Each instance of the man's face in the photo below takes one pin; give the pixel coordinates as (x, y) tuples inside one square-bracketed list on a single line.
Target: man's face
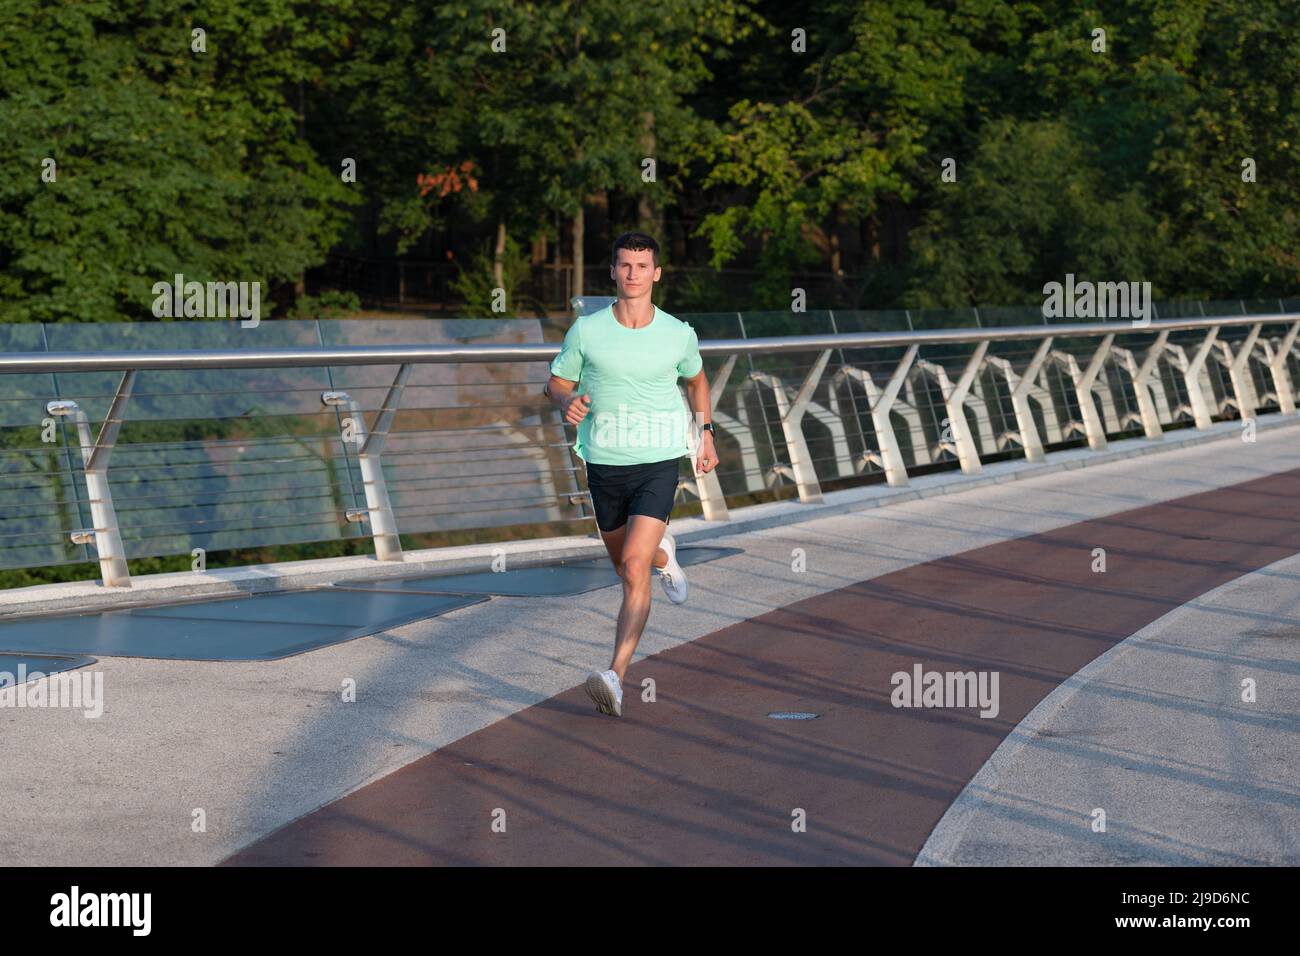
[(635, 272)]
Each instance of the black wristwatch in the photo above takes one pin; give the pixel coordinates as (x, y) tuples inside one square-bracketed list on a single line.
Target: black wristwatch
[(708, 427)]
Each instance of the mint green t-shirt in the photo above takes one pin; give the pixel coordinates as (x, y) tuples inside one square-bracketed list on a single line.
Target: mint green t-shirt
[(638, 414)]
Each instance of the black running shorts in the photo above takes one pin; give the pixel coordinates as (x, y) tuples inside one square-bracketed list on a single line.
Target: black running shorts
[(618, 491)]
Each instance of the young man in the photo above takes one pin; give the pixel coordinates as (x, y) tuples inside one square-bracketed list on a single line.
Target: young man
[(632, 432)]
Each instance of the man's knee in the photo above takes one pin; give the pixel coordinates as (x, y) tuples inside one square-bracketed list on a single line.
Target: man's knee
[(634, 567)]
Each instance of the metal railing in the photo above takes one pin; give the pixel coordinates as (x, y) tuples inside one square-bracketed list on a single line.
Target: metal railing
[(791, 410)]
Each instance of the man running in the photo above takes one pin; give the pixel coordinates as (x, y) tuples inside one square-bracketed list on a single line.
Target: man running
[(632, 432)]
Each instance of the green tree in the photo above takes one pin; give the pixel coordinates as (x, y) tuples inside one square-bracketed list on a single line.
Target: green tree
[(167, 160), (565, 102), (1031, 205)]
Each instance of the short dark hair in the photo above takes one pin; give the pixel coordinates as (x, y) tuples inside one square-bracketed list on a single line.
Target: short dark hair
[(634, 242)]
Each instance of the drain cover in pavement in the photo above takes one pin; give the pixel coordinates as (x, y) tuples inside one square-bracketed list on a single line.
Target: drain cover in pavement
[(20, 668), (276, 624), (257, 627)]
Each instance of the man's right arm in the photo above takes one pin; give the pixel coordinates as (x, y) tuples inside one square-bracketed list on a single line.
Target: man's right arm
[(558, 390), (563, 393), (571, 361)]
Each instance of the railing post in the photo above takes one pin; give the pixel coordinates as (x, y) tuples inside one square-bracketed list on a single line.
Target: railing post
[(891, 455), (791, 412), (1239, 374), (1192, 381), (379, 509), (1092, 425), (106, 536), (805, 471), (967, 454), (1146, 406), (1029, 437), (1281, 375)]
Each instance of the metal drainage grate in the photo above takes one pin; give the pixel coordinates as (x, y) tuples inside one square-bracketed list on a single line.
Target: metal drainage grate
[(793, 715)]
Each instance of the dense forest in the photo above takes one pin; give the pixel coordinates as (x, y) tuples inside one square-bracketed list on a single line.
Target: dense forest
[(896, 153)]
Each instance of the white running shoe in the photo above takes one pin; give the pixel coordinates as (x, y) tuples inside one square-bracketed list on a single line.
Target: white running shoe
[(671, 575), (606, 690)]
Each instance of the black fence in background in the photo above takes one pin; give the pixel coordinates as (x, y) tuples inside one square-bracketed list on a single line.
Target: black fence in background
[(426, 286)]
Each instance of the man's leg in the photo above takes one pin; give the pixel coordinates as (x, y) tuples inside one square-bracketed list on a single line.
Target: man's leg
[(614, 545), (640, 544)]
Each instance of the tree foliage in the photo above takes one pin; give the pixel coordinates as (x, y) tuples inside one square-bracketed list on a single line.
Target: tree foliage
[(495, 122), (166, 160)]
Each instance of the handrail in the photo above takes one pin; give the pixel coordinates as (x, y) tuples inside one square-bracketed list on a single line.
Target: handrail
[(44, 362)]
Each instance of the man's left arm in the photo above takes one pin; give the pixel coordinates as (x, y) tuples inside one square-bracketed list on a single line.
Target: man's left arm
[(697, 391)]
